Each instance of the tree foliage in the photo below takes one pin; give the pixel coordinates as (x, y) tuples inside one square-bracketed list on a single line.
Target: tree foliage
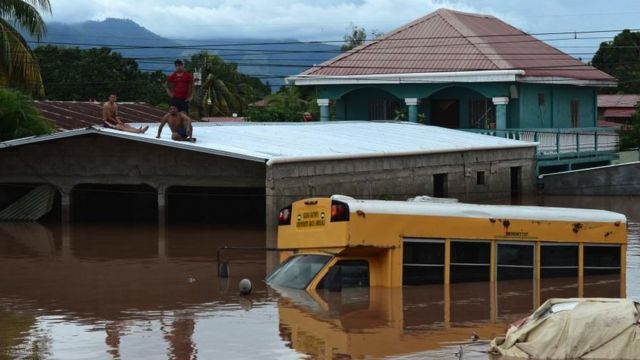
[(224, 90), (621, 59), (18, 66), (19, 116), (93, 74), (630, 133), (288, 104), (357, 36)]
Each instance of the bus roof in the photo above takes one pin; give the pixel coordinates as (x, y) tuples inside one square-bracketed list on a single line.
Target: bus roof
[(437, 207)]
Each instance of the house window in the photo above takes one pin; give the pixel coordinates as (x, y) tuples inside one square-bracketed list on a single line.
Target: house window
[(482, 114), (440, 185), (480, 178), (575, 116)]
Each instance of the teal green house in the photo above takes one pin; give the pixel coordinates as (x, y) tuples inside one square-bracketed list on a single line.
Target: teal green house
[(472, 72)]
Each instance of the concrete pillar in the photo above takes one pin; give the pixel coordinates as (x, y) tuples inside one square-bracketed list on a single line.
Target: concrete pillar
[(162, 219), (65, 195), (412, 104), (324, 109), (501, 111)]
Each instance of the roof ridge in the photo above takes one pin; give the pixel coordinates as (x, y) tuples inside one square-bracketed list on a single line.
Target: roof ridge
[(475, 39), (375, 41)]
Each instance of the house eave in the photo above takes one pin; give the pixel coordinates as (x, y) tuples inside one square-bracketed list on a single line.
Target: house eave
[(410, 78), (557, 80)]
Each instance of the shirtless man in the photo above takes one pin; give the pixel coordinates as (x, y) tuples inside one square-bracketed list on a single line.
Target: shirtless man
[(179, 123), (112, 120)]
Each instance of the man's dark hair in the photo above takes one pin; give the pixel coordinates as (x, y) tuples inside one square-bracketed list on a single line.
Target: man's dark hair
[(178, 62)]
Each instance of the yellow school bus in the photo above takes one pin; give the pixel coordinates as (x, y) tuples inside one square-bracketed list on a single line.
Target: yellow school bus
[(337, 242)]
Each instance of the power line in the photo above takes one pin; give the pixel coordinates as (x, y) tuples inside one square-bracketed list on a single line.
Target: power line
[(340, 41)]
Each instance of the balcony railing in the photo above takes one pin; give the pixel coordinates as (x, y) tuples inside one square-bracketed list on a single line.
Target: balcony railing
[(562, 143)]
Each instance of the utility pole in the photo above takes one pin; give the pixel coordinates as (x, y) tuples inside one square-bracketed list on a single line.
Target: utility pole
[(197, 81)]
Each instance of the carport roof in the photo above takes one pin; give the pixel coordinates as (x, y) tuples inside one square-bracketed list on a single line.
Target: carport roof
[(295, 142)]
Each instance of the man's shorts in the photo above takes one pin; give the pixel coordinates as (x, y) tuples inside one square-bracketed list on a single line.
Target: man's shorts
[(181, 104), (182, 132)]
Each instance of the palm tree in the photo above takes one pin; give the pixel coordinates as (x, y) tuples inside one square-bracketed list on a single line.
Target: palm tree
[(18, 64)]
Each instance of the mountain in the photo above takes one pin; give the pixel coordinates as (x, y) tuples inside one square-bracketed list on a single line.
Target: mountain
[(268, 59)]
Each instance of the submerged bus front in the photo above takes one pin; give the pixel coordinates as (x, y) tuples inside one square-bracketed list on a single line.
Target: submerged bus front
[(344, 242)]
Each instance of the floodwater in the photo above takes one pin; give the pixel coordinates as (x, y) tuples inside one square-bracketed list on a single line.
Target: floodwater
[(139, 292)]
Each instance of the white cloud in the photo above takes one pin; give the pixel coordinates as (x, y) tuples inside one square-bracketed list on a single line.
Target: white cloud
[(329, 19)]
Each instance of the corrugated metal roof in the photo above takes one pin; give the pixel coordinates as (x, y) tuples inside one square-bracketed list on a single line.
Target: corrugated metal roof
[(618, 100), (67, 115), (288, 142), (617, 112), (609, 124), (447, 40)]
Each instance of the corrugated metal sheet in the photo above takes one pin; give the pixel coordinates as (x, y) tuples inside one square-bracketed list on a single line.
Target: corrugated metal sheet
[(617, 112), (30, 207), (626, 100), (294, 141), (452, 41), (67, 115)]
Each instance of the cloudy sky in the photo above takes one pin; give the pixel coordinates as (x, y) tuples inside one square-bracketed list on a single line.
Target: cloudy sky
[(329, 19)]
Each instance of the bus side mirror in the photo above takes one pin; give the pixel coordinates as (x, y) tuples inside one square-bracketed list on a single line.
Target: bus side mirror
[(334, 279)]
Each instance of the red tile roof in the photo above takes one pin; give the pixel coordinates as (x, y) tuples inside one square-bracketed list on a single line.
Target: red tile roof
[(67, 115), (627, 100), (453, 41)]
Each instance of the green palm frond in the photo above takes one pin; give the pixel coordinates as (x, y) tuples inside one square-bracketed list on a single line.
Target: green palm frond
[(25, 14), (18, 64)]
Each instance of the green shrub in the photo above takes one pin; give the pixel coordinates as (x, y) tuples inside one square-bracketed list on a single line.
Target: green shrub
[(19, 117)]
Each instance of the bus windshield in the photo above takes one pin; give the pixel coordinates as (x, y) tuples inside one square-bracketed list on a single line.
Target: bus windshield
[(298, 271)]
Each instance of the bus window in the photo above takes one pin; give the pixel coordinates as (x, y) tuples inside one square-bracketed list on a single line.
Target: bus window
[(515, 261), (353, 273), (422, 262), (601, 259), (515, 273), (602, 270), (558, 260), (298, 271), (470, 261)]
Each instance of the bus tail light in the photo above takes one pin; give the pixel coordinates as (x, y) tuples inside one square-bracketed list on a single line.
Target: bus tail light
[(339, 211), (284, 217)]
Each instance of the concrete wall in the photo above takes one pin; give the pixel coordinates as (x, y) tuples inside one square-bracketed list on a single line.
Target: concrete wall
[(522, 112), (99, 159), (607, 180), (398, 177), (556, 110)]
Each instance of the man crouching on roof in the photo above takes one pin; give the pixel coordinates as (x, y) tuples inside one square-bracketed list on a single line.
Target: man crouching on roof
[(179, 123)]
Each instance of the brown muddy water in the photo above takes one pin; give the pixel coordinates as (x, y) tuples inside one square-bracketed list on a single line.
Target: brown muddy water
[(139, 292)]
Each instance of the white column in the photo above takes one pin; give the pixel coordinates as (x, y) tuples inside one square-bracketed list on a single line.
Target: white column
[(324, 109), (412, 104), (501, 111)]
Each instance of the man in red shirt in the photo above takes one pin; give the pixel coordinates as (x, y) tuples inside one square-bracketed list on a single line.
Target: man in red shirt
[(179, 87)]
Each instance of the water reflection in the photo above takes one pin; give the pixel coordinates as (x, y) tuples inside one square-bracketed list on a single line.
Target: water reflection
[(379, 322), (119, 282), (107, 292)]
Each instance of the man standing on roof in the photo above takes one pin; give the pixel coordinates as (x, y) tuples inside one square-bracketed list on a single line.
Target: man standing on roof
[(179, 123), (111, 119), (179, 87)]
